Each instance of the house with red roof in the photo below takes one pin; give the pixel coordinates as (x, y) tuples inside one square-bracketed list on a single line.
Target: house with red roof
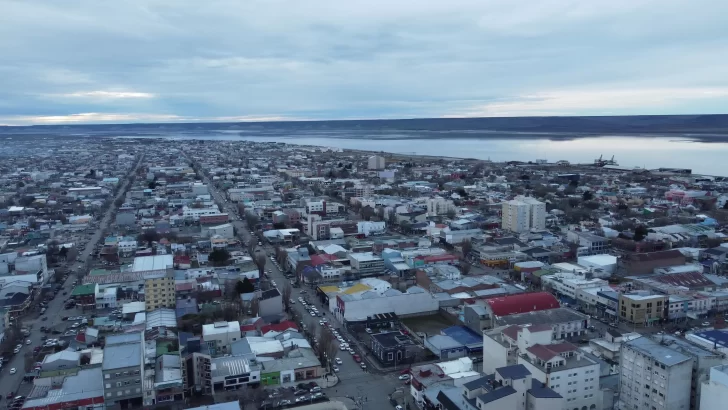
[(275, 329), (520, 303)]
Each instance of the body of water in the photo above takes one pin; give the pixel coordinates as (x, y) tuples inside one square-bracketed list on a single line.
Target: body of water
[(653, 152)]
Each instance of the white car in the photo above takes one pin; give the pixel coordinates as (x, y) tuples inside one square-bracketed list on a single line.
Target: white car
[(338, 361), (313, 314), (342, 348), (404, 377), (13, 371), (336, 369)]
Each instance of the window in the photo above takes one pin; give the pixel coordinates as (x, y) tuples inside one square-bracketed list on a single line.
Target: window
[(108, 385), (118, 384), (108, 394), (107, 376)]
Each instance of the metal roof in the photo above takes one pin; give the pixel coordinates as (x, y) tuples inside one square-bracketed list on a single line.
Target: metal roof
[(122, 355), (661, 354)]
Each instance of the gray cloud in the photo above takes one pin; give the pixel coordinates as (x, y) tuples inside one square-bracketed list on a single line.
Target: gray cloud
[(176, 60)]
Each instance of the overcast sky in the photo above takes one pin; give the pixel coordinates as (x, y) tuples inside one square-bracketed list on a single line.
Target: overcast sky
[(79, 61)]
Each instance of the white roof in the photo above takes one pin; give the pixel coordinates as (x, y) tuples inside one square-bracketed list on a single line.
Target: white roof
[(133, 307), (156, 262), (219, 328), (267, 346), (463, 364), (601, 260)]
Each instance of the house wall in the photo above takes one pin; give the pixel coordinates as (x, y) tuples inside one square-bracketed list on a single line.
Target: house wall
[(271, 306)]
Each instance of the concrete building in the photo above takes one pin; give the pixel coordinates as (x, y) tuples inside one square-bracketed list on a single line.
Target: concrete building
[(714, 392), (159, 290), (375, 162), (523, 214), (439, 206), (642, 308), (123, 370), (563, 368), (225, 231), (366, 264), (653, 375), (270, 303), (219, 336), (589, 244)]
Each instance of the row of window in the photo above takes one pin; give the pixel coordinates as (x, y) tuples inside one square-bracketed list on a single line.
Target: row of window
[(119, 393), (121, 374), (124, 383)]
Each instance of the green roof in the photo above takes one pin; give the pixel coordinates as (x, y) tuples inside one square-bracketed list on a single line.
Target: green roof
[(82, 290)]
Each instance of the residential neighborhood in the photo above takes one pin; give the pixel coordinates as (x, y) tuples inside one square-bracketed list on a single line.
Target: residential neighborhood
[(226, 274)]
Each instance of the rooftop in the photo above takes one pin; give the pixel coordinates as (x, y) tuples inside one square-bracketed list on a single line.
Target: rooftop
[(156, 262), (542, 317), (526, 302), (84, 385), (656, 351), (120, 356)]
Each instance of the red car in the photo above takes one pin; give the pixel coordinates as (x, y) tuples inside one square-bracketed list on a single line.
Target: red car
[(357, 358)]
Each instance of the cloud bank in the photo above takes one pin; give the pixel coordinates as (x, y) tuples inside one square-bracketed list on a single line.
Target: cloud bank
[(85, 61)]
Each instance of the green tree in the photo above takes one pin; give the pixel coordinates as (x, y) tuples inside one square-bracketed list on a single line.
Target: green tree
[(244, 286), (640, 232), (219, 257), (587, 196)]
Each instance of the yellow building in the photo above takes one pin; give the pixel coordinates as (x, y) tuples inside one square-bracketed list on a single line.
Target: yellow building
[(159, 291), (642, 308)]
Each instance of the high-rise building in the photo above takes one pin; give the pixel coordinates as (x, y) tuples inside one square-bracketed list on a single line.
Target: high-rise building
[(654, 376), (523, 214), (375, 162)]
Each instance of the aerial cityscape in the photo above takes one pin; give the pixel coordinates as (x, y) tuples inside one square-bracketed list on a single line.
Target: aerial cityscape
[(152, 272), (363, 205)]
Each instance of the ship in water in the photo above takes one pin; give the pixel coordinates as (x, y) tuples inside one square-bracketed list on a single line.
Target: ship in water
[(600, 162)]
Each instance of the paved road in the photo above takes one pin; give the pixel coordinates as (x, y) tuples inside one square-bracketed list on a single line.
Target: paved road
[(371, 388), (54, 312)]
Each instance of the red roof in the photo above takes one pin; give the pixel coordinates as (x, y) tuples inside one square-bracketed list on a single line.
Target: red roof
[(279, 327), (182, 259), (436, 258), (548, 352), (317, 260), (81, 337), (183, 287), (522, 303)]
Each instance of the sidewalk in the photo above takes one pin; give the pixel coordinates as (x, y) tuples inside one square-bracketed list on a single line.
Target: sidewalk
[(325, 382)]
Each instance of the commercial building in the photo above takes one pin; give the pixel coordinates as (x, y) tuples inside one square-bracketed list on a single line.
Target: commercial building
[(589, 244), (82, 389), (439, 206), (220, 336), (642, 308), (366, 264), (653, 375), (123, 370), (523, 214)]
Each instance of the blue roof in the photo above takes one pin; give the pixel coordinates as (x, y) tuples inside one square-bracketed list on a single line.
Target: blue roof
[(718, 337), (497, 394), (515, 372), (541, 391), (463, 335)]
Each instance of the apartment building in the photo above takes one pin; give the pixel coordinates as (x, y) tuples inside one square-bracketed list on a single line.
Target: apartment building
[(523, 214), (642, 308), (654, 376), (159, 290), (220, 336), (123, 370), (589, 244), (439, 206), (375, 162), (567, 371)]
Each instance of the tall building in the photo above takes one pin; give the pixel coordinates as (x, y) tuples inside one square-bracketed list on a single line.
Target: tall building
[(523, 214), (375, 162), (159, 290), (439, 206), (653, 376), (123, 370), (714, 394)]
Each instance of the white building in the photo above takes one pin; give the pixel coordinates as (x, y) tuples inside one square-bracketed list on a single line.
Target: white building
[(219, 336), (359, 302), (127, 246), (714, 394), (225, 231), (569, 284), (439, 206), (375, 162), (196, 213), (105, 298), (654, 375), (523, 214), (371, 228), (567, 371), (600, 265), (199, 188)]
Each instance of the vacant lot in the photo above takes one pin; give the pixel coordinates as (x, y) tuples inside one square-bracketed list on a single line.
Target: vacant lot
[(430, 325)]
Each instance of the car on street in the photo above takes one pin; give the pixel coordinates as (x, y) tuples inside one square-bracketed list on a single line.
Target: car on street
[(28, 342), (364, 366), (706, 324), (338, 361), (404, 377), (13, 371), (301, 399), (336, 369)]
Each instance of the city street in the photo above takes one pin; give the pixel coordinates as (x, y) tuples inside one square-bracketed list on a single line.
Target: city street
[(54, 312), (369, 389)]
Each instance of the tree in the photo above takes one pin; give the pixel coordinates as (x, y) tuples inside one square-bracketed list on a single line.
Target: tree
[(252, 220), (118, 202), (593, 205), (219, 257), (465, 267), (640, 232), (260, 261), (286, 294), (587, 196), (467, 246), (244, 286), (63, 252), (451, 213), (149, 236), (367, 212)]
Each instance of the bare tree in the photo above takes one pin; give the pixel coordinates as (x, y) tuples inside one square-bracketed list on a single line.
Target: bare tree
[(466, 246), (327, 348), (254, 307), (465, 267), (286, 293), (260, 261)]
